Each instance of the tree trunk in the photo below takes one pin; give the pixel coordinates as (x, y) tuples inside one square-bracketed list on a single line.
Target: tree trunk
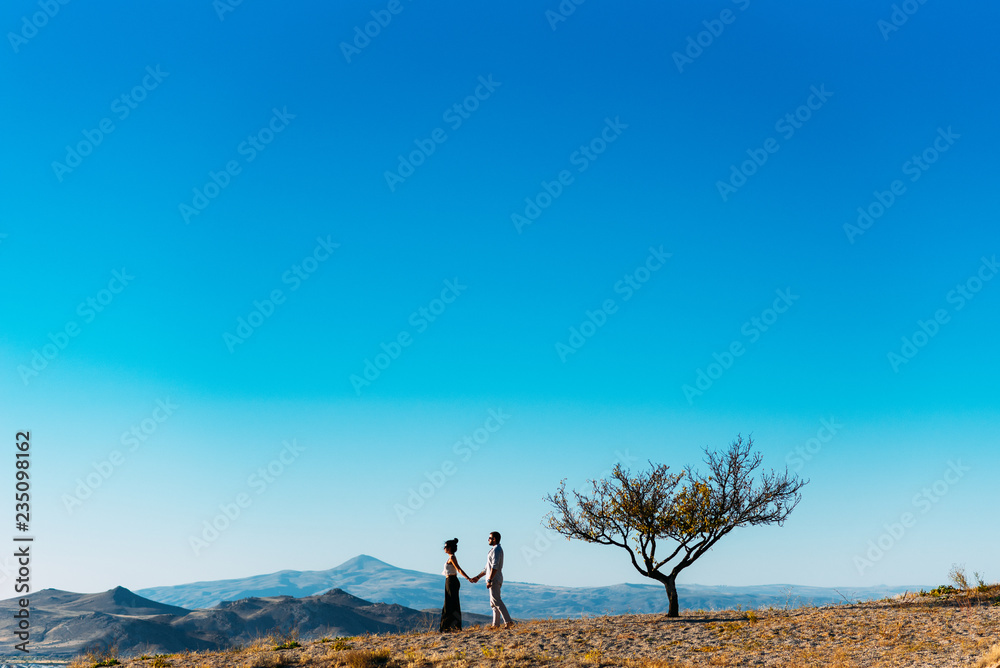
[(671, 587)]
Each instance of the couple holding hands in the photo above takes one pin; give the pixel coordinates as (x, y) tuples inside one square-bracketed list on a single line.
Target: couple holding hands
[(451, 613)]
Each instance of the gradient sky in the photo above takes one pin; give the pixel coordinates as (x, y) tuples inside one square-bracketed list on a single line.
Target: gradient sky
[(329, 127)]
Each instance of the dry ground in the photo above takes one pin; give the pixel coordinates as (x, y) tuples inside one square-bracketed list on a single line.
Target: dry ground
[(914, 631)]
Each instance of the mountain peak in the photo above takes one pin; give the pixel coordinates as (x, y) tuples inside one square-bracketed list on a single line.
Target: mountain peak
[(363, 562), (118, 594), (120, 600)]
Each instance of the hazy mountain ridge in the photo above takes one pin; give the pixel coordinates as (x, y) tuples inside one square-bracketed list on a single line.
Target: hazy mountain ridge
[(65, 623), (374, 580)]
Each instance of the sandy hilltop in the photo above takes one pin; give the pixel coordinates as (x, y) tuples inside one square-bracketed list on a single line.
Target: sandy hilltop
[(938, 630)]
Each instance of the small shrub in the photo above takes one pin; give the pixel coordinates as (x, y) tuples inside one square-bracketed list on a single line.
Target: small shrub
[(368, 659), (981, 585), (264, 659), (413, 656), (958, 577), (288, 640), (97, 658), (160, 661)]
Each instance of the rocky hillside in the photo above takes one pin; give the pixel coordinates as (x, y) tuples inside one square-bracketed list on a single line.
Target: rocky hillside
[(66, 623)]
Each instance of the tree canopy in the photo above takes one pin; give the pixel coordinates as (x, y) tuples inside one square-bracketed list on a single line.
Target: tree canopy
[(660, 517)]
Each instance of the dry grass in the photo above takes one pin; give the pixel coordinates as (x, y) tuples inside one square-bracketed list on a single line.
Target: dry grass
[(954, 629), (991, 659), (97, 658)]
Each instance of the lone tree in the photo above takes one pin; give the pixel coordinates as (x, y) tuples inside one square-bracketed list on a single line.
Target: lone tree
[(682, 514)]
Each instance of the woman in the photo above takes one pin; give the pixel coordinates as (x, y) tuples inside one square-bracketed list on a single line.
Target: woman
[(451, 613)]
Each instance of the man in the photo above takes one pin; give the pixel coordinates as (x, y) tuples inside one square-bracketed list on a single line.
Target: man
[(494, 579)]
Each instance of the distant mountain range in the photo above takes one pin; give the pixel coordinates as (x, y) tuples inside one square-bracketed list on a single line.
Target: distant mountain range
[(362, 595), (373, 580), (65, 623)]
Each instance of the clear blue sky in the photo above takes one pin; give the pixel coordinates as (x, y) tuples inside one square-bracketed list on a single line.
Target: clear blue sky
[(565, 222)]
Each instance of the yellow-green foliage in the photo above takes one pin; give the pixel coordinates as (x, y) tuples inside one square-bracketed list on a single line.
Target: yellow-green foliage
[(339, 644)]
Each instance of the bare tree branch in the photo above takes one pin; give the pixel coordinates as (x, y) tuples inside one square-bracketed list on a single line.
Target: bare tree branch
[(689, 511)]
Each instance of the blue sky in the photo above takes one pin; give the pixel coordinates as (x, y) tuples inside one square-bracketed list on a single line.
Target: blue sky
[(691, 201)]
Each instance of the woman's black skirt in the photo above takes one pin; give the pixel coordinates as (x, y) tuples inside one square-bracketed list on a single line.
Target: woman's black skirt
[(451, 613)]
